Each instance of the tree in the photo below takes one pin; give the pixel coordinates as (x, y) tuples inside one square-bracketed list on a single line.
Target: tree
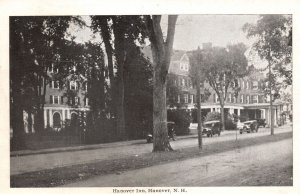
[(221, 68), (273, 44), (33, 44), (161, 52), (124, 30)]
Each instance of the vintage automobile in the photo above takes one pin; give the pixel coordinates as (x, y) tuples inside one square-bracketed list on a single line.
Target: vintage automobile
[(261, 122), (211, 128), (171, 132), (248, 126)]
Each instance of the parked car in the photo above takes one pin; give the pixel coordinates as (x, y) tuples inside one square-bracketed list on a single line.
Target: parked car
[(211, 128), (248, 126), (171, 133), (261, 122)]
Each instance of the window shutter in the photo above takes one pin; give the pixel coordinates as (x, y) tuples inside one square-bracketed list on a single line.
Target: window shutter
[(51, 99)]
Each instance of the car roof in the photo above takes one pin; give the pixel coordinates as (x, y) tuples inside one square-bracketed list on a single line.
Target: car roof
[(210, 122), (250, 121)]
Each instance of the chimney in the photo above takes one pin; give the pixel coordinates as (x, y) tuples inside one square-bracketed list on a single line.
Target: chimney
[(207, 46)]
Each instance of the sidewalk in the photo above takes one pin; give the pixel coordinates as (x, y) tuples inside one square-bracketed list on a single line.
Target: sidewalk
[(87, 147)]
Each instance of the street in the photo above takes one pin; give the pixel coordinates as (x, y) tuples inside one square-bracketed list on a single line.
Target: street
[(246, 166), (30, 163)]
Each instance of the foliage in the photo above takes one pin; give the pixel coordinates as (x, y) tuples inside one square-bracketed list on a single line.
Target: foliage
[(272, 35), (211, 116), (182, 119)]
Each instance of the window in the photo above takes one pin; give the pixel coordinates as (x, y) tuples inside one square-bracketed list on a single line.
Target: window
[(175, 82), (86, 102), (77, 100), (255, 85), (243, 84), (53, 69), (184, 65), (248, 99), (73, 85), (229, 97), (247, 85), (217, 98), (242, 98), (178, 99), (55, 99), (186, 98), (255, 99), (192, 98), (55, 84)]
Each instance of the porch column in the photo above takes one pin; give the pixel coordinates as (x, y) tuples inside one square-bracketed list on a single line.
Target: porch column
[(45, 118), (263, 116), (239, 112), (211, 110), (63, 115), (50, 118)]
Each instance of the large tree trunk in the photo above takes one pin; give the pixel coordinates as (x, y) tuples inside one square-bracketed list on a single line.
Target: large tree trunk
[(160, 131), (161, 52), (120, 53), (105, 34), (199, 116), (17, 121)]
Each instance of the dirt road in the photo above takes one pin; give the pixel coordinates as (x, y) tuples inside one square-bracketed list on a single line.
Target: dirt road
[(264, 164)]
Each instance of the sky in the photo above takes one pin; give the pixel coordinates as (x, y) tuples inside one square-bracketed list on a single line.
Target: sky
[(193, 30), (220, 30)]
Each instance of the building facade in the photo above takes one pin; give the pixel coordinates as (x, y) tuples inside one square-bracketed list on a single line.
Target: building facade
[(64, 103), (250, 103)]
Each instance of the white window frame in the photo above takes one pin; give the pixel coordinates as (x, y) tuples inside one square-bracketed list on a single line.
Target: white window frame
[(73, 83), (248, 99), (192, 98), (183, 82), (178, 98), (255, 99), (53, 84), (86, 101), (247, 85), (53, 99), (186, 98), (243, 84), (255, 85), (242, 98), (229, 97), (217, 98), (76, 100)]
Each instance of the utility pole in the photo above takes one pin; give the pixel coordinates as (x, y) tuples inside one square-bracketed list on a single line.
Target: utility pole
[(271, 99), (199, 117)]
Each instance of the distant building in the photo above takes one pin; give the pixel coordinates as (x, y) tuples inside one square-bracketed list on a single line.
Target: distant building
[(250, 103), (60, 108)]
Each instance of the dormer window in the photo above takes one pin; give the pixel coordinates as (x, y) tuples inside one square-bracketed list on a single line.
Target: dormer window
[(73, 85), (184, 63)]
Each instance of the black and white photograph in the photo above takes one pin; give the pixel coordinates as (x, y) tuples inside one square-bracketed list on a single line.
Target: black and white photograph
[(151, 103)]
